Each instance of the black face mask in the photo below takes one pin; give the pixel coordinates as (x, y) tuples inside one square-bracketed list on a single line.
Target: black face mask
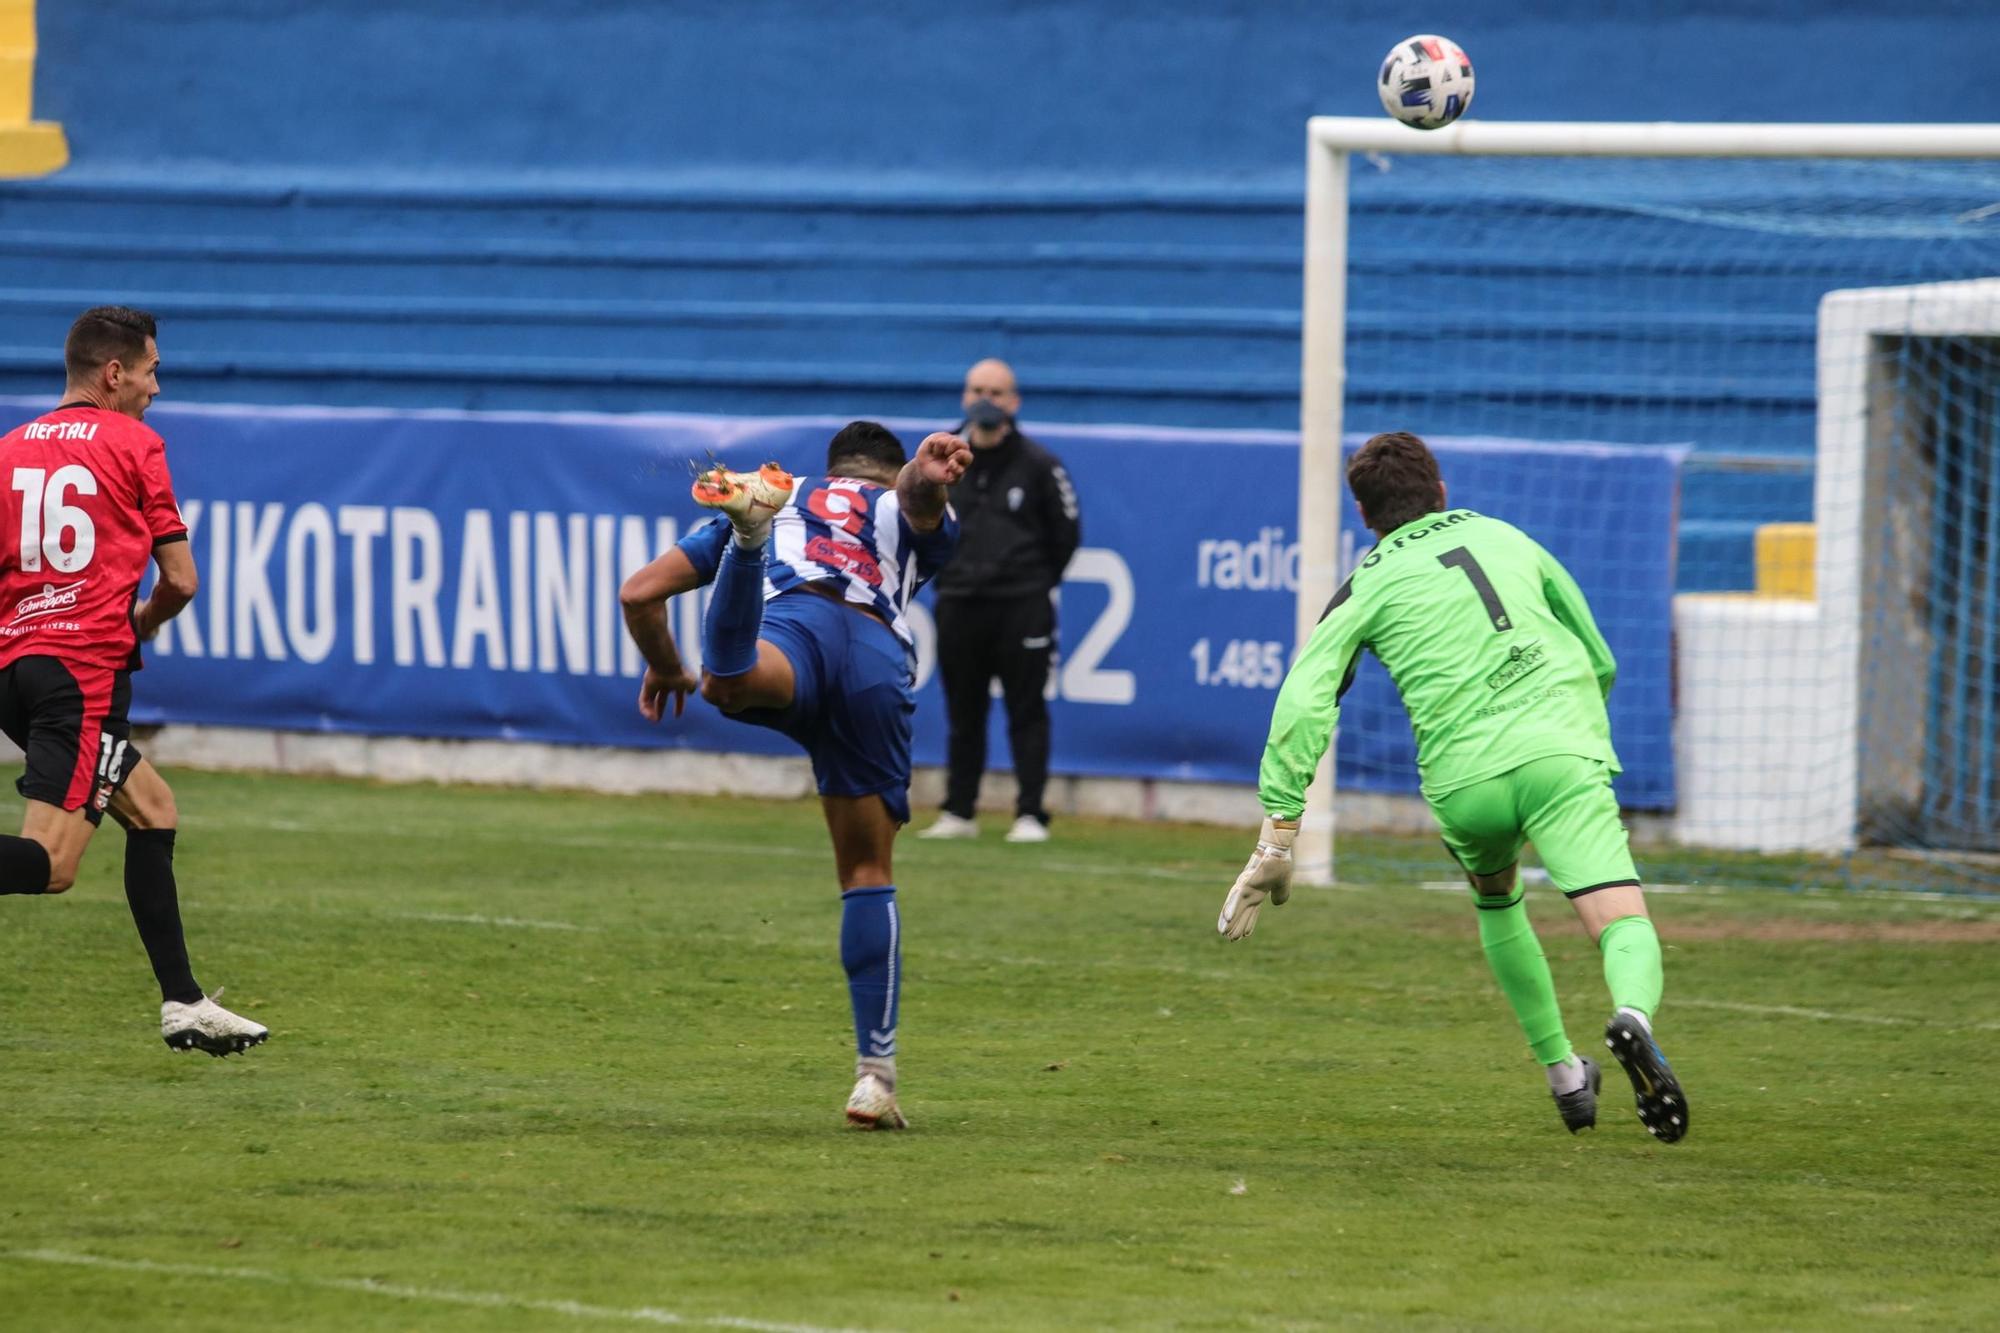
[(986, 413)]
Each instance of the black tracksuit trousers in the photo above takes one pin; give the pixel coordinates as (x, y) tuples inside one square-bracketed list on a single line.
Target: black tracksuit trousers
[(979, 639)]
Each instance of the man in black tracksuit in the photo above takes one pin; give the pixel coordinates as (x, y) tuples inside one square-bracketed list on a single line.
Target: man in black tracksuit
[(1018, 528)]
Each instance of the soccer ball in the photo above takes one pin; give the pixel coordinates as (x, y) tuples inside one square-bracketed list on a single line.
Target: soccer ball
[(1426, 82)]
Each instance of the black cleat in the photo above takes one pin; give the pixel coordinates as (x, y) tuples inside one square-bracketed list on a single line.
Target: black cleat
[(1663, 1107), (1579, 1109)]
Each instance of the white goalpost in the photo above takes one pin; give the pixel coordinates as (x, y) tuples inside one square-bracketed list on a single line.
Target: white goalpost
[(1667, 285)]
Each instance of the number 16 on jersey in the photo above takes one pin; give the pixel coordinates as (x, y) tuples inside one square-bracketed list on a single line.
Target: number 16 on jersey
[(51, 528)]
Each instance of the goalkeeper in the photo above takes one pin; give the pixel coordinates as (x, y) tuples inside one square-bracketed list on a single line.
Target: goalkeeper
[(1504, 674)]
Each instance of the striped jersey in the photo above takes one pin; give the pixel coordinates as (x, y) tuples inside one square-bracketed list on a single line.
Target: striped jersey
[(845, 532)]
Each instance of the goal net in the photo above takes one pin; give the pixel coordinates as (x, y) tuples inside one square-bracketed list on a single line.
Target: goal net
[(1745, 382)]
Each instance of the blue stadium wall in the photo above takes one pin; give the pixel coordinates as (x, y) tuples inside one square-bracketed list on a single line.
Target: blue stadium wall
[(772, 207)]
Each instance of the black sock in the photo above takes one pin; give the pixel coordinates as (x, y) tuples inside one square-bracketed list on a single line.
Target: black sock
[(156, 910), (24, 865)]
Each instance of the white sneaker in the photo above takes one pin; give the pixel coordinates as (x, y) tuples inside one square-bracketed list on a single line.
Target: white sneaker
[(950, 825), (207, 1026), (872, 1105), (1028, 829)]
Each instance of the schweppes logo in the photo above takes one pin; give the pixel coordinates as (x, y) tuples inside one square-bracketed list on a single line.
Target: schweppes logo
[(1523, 660), (49, 600)]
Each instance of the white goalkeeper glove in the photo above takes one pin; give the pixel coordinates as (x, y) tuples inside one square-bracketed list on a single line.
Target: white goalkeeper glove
[(1269, 875)]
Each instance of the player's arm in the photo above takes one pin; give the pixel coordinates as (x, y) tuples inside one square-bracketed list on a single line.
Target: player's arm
[(643, 598), (1308, 706), (172, 554), (1302, 725), (172, 591), (1566, 600), (921, 493)]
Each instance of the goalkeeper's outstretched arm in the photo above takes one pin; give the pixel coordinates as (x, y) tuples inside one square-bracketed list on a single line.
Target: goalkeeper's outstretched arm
[(1309, 705), (1301, 729)]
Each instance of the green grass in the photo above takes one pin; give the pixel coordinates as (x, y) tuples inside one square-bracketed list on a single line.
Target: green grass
[(629, 1096)]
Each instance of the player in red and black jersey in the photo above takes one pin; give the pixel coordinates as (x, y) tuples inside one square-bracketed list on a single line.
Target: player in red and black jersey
[(91, 505)]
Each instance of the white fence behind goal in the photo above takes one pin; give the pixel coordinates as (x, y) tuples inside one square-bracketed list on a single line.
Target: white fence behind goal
[(1801, 307)]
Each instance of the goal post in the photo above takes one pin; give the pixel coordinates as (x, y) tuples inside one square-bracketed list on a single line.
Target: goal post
[(1683, 292)]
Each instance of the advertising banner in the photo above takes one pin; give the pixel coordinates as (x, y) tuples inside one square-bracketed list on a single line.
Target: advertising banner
[(451, 574)]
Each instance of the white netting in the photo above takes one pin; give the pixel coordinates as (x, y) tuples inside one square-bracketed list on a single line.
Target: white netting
[(1678, 302)]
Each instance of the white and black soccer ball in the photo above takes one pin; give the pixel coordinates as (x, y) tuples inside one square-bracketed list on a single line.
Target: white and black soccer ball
[(1426, 81)]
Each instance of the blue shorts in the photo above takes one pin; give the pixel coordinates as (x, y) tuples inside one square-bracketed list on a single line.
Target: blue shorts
[(852, 701)]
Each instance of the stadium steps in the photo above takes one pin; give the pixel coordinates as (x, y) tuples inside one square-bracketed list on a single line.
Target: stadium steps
[(1170, 305), (1725, 499), (901, 387)]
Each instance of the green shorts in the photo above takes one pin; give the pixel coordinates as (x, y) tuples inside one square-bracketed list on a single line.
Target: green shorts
[(1563, 804)]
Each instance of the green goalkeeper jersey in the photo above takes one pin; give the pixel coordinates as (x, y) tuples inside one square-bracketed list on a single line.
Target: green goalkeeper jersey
[(1489, 641)]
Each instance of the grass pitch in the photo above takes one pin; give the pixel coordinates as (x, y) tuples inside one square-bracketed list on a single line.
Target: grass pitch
[(551, 1061)]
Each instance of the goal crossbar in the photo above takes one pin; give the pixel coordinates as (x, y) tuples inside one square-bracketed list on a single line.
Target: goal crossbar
[(1330, 143), (1378, 134)]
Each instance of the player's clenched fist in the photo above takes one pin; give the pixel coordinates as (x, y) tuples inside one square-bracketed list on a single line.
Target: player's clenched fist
[(1267, 876), (943, 457)]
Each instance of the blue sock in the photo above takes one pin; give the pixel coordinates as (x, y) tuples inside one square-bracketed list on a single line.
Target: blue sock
[(735, 612), (871, 951)]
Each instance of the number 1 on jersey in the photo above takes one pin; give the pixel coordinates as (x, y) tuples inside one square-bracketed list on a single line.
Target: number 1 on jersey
[(1489, 597)]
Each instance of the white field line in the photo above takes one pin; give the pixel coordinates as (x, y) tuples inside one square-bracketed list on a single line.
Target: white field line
[(1826, 1015), (374, 914), (1084, 965), (1110, 872), (475, 919), (1103, 964), (487, 1300), (639, 842)]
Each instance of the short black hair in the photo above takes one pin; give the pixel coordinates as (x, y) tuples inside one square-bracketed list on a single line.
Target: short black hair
[(107, 333), (870, 441), (1395, 480)]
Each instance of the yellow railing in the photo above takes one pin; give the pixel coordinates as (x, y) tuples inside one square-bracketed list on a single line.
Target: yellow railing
[(1786, 553), (28, 147)]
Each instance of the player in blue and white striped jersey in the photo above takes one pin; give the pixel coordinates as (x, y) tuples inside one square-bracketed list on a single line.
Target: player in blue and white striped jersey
[(806, 634), (846, 534)]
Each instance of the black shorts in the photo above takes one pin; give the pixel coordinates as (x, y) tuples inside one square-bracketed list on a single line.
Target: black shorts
[(70, 720)]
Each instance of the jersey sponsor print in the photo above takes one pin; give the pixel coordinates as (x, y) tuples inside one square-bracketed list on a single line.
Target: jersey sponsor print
[(89, 498), (846, 533)]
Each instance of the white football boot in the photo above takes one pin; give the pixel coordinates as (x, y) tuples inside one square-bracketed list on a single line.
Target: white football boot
[(950, 825), (750, 499), (207, 1026), (872, 1105), (1028, 829)]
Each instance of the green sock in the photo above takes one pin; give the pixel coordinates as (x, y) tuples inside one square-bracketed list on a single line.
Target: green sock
[(1516, 957), (1632, 964)]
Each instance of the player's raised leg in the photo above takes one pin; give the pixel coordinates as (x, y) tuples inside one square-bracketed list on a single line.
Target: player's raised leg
[(864, 834), (739, 672), (26, 865), (1577, 831), (60, 835), (43, 710)]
